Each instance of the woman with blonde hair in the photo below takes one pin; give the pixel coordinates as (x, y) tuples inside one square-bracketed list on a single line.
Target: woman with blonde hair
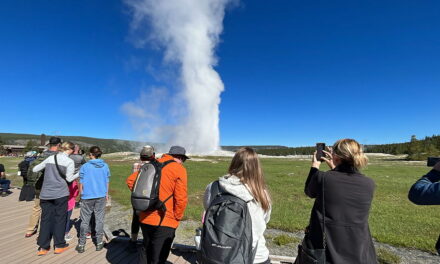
[(339, 218), (245, 180)]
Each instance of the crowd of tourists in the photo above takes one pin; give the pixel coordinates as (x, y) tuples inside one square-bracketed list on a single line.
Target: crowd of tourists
[(237, 206)]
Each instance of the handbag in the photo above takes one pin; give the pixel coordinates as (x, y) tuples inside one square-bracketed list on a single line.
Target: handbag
[(307, 255)]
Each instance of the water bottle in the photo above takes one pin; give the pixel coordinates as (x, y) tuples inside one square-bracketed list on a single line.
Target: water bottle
[(197, 238)]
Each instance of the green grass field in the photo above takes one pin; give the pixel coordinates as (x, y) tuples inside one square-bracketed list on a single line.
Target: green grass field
[(393, 219)]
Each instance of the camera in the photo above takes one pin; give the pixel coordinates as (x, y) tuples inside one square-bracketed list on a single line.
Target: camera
[(432, 161)]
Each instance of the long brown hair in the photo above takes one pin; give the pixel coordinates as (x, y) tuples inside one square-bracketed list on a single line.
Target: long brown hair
[(246, 166)]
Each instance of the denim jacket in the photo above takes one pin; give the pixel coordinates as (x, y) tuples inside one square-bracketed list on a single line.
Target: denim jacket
[(426, 191)]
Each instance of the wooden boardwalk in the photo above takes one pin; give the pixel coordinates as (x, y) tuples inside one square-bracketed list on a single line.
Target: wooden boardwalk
[(15, 248)]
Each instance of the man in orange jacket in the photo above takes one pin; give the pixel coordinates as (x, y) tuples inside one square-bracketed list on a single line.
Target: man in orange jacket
[(159, 238)]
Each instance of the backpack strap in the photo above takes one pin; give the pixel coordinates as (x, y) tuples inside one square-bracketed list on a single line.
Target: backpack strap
[(162, 208), (59, 170)]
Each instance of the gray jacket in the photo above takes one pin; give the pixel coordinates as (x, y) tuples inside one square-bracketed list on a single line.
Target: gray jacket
[(54, 186)]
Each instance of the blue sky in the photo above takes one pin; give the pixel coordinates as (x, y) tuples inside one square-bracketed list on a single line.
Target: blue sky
[(295, 72)]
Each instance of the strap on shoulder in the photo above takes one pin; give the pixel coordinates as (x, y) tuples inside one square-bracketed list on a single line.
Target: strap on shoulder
[(216, 189), (59, 170)]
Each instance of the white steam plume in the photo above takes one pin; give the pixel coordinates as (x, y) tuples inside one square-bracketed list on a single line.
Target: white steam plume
[(189, 31)]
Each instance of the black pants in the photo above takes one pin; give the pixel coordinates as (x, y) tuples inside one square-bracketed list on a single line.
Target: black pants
[(53, 222), (135, 224), (157, 242)]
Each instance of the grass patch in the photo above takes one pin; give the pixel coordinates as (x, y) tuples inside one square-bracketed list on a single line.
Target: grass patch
[(282, 240), (386, 257)]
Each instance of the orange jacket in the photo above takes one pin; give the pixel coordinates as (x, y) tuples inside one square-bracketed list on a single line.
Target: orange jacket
[(173, 181)]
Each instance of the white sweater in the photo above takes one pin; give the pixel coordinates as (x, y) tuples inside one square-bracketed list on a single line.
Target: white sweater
[(259, 217)]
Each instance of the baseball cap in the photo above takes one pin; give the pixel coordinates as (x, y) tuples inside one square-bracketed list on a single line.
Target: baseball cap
[(54, 141), (147, 151), (178, 151)]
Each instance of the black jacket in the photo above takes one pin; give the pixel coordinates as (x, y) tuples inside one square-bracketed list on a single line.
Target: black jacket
[(348, 196)]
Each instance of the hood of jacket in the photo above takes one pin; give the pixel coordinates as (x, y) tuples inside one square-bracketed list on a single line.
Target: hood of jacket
[(234, 186), (97, 163)]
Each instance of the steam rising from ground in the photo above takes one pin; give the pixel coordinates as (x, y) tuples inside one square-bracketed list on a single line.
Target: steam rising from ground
[(188, 31)]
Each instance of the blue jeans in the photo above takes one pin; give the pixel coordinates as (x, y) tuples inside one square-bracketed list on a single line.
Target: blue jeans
[(4, 185)]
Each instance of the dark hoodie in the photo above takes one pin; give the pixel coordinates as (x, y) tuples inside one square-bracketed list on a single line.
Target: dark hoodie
[(94, 176)]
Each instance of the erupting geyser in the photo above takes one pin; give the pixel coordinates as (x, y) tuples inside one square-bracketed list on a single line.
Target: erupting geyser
[(188, 31)]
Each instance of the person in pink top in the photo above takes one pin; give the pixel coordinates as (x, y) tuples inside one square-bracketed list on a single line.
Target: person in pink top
[(73, 193)]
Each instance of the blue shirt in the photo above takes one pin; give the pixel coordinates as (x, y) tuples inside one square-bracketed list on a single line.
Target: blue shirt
[(94, 176)]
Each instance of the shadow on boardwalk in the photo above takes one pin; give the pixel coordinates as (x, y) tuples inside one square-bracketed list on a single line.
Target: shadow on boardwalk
[(15, 248)]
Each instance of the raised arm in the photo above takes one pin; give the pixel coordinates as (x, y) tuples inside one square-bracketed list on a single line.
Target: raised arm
[(312, 185), (42, 165), (426, 191)]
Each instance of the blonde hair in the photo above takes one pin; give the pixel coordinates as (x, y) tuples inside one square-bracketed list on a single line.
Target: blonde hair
[(350, 151), (246, 166), (67, 146)]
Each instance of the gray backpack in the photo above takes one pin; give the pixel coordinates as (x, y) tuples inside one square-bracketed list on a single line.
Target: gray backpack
[(227, 230), (145, 194)]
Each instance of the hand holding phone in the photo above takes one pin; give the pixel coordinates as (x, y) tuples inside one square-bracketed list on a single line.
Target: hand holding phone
[(320, 147)]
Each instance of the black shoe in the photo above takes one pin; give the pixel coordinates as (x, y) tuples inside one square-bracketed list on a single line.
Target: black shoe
[(99, 246), (80, 248)]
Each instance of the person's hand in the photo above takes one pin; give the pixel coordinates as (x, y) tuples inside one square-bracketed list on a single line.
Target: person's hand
[(106, 196), (437, 166), (328, 158), (315, 162)]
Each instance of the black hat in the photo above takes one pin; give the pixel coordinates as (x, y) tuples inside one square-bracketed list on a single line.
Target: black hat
[(178, 151), (54, 141)]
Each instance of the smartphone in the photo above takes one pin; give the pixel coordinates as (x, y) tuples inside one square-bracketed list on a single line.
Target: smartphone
[(320, 147), (432, 161)]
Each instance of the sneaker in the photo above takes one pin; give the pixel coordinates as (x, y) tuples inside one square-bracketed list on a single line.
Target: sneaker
[(99, 246), (88, 235), (42, 251), (80, 248), (68, 237), (4, 194), (61, 250)]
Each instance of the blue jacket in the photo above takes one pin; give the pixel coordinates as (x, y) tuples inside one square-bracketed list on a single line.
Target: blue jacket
[(426, 191), (94, 176)]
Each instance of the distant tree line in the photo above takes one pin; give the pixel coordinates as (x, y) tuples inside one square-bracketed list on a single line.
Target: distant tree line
[(415, 149)]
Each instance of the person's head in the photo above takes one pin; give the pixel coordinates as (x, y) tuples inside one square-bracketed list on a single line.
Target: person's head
[(95, 152), (76, 149), (67, 147), (54, 143), (147, 153), (349, 152), (247, 167), (178, 153)]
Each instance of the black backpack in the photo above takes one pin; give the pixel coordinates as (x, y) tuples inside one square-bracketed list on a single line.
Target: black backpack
[(145, 194), (227, 230), (23, 167)]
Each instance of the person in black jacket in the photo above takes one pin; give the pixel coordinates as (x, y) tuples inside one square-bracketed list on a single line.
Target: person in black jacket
[(24, 165), (348, 195)]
